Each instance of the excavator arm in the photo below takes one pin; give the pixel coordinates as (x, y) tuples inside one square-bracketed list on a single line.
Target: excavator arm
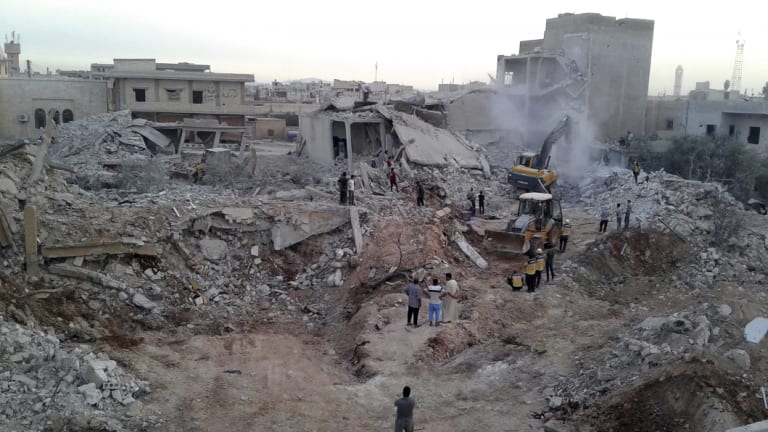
[(563, 128)]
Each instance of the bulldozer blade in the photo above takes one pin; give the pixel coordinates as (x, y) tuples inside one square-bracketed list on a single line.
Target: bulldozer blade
[(505, 242)]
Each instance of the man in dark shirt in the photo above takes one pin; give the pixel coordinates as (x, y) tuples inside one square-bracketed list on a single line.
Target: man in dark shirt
[(481, 202), (419, 194), (343, 188), (414, 301), (405, 406)]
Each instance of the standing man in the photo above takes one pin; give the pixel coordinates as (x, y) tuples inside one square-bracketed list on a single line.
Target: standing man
[(481, 202), (419, 194), (550, 264), (540, 259), (343, 187), (618, 216), (565, 234), (636, 170), (450, 303), (393, 180), (471, 198), (515, 280), (627, 214), (351, 189), (404, 416), (435, 294), (414, 301), (530, 274), (604, 214)]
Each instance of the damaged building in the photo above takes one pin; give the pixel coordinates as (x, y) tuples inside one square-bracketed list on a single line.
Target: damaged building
[(588, 63)]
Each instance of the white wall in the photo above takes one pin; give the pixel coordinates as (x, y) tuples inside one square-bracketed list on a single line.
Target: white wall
[(316, 130)]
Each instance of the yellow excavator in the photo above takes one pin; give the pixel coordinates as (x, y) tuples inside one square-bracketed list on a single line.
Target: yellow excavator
[(532, 173), (539, 221)]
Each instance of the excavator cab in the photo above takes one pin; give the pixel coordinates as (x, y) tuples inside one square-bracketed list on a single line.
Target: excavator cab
[(531, 160), (532, 173)]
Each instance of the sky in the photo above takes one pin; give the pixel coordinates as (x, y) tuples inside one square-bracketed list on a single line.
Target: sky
[(422, 43)]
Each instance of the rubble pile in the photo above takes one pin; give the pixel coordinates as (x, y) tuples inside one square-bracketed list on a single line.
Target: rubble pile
[(41, 378)]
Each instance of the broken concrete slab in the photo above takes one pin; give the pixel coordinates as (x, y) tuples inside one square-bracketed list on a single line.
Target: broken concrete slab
[(468, 250), (8, 187), (357, 234), (755, 331), (126, 246), (296, 222), (30, 241), (143, 302), (294, 195), (754, 427), (84, 274), (213, 249)]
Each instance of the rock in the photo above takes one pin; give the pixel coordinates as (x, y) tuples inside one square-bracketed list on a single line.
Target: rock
[(254, 251), (724, 310), (339, 254), (755, 331), (338, 278), (354, 262), (263, 290), (94, 371), (701, 335), (653, 323), (740, 357), (213, 249), (91, 393), (141, 301), (8, 187), (557, 426), (27, 381), (555, 402)]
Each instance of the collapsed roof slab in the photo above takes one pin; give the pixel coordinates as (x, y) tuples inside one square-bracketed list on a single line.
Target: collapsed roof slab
[(428, 145)]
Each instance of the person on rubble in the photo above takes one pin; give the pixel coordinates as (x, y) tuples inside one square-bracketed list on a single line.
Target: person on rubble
[(471, 198), (419, 194), (435, 294), (343, 188), (636, 170), (627, 214), (565, 234), (389, 162), (481, 202), (618, 216), (404, 416), (351, 190), (414, 301), (530, 274), (198, 172), (540, 264), (450, 303), (393, 180), (550, 264), (604, 215), (515, 280)]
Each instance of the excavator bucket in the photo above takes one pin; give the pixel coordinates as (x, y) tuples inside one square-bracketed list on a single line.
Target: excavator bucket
[(504, 242)]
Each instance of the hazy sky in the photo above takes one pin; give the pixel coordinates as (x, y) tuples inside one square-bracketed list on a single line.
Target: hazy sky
[(414, 42)]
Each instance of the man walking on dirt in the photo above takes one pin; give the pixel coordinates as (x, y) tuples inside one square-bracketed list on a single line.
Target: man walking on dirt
[(404, 416), (414, 301), (450, 303), (618, 216), (530, 274), (636, 170), (550, 264), (540, 259), (627, 214), (604, 214), (481, 202), (343, 187), (393, 180), (419, 194), (564, 235)]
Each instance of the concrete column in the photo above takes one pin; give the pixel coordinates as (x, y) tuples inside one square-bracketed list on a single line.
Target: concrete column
[(382, 135), (217, 139), (348, 127), (30, 241), (501, 71)]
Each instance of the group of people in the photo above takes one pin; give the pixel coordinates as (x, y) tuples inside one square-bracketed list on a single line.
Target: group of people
[(475, 204), (625, 213), (536, 265), (346, 189), (442, 301)]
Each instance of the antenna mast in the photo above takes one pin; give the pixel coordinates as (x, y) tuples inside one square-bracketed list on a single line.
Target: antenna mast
[(737, 64)]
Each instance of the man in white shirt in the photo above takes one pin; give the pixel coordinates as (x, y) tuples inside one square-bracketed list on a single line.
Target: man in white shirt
[(351, 190), (435, 294)]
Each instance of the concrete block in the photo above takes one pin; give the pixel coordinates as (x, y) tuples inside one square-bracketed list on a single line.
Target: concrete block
[(754, 427), (30, 241), (94, 371)]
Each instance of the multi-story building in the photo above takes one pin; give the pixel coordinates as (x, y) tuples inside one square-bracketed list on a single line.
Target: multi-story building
[(595, 64)]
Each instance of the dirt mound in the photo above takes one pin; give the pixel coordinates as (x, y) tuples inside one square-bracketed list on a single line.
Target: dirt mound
[(636, 253), (686, 398)]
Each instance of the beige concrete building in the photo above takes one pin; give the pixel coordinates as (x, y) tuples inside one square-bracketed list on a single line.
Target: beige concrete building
[(169, 93), (24, 102), (266, 128)]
